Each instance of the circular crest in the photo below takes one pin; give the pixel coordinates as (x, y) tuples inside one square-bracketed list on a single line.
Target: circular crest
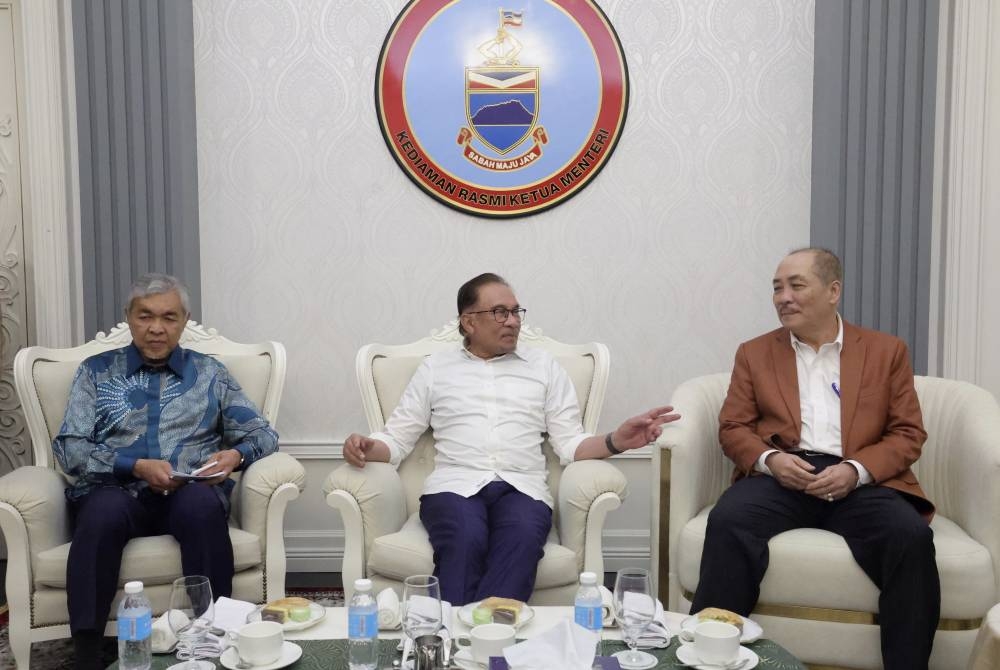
[(501, 112)]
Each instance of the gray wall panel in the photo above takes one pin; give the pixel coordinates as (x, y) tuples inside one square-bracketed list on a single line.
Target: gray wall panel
[(138, 161), (873, 138)]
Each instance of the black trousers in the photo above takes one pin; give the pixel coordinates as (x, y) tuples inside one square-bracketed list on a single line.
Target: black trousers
[(108, 517), (890, 541)]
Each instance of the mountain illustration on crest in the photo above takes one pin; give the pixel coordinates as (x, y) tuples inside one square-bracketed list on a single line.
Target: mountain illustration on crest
[(510, 113)]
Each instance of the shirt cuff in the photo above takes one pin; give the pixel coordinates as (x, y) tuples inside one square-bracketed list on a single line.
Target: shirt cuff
[(246, 453), (759, 466), (394, 454), (123, 467), (864, 477)]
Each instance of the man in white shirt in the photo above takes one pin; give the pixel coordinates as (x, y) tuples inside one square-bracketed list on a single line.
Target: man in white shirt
[(486, 506), (823, 424)]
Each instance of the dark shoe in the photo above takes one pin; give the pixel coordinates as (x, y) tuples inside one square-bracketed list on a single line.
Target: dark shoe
[(88, 646)]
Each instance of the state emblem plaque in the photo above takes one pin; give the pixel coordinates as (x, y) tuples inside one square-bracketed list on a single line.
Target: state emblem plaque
[(500, 112)]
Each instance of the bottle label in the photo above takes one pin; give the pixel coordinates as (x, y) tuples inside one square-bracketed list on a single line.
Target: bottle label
[(362, 625), (588, 616), (132, 628)]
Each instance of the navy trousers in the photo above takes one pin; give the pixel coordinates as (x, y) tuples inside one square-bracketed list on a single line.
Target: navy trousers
[(108, 517), (488, 544), (888, 538)]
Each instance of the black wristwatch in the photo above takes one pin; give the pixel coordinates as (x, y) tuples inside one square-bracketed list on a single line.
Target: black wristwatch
[(610, 445)]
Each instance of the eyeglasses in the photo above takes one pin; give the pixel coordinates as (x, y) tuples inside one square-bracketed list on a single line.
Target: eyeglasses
[(500, 314)]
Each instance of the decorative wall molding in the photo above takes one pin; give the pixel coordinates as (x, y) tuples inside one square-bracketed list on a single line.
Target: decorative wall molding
[(51, 190), (969, 172)]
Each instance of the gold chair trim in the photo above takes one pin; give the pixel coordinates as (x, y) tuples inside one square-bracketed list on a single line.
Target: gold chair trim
[(843, 616)]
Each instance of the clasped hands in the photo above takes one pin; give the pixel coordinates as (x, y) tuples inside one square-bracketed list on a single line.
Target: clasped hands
[(156, 473), (795, 473)]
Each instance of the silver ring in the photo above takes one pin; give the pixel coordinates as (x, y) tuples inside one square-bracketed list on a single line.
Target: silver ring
[(166, 493), (829, 497)]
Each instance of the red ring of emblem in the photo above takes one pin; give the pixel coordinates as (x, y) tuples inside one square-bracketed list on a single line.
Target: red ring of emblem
[(517, 200)]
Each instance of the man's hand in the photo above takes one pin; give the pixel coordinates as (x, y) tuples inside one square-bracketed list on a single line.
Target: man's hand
[(359, 450), (791, 471), (157, 474), (834, 483), (641, 430), (225, 462)]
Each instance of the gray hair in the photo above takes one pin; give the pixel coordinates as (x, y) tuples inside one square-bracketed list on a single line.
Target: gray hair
[(826, 264), (155, 283)]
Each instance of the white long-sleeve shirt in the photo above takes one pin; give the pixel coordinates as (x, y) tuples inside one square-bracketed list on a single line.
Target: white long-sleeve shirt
[(488, 418)]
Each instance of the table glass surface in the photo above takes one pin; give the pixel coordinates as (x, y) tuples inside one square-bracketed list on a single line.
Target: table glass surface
[(324, 646)]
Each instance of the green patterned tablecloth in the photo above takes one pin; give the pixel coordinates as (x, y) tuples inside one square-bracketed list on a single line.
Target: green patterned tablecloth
[(332, 655)]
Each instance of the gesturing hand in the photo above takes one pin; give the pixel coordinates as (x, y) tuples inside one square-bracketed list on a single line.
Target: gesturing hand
[(356, 448), (641, 430)]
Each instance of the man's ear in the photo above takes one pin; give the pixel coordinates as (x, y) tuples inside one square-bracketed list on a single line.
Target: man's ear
[(835, 289)]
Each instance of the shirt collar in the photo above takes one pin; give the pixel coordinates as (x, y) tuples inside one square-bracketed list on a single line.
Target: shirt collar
[(134, 360), (838, 343), (519, 352)]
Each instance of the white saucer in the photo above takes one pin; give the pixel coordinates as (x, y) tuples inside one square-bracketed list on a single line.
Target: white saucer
[(651, 661), (202, 665), (686, 654), (290, 652), (752, 630)]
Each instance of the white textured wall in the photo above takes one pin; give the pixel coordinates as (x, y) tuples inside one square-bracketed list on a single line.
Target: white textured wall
[(312, 236)]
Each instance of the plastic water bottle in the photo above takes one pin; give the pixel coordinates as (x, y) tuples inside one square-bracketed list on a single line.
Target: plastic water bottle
[(362, 628), (587, 605), (135, 627)]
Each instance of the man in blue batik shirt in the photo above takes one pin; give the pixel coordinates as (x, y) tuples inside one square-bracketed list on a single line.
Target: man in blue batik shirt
[(136, 414)]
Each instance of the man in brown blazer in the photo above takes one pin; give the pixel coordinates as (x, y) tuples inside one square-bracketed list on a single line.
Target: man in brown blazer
[(823, 424)]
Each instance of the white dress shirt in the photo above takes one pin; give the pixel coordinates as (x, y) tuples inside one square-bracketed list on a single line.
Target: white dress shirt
[(488, 418), (818, 375)]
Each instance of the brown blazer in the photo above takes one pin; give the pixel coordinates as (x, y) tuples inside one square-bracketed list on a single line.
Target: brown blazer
[(880, 420)]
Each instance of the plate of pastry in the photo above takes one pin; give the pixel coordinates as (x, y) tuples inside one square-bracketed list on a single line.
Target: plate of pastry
[(496, 610), (292, 613)]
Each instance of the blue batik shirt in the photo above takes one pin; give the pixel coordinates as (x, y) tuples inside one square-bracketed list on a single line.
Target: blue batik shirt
[(121, 409)]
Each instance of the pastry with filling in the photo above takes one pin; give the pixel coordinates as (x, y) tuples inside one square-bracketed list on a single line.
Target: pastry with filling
[(719, 614), (505, 610), (286, 609)]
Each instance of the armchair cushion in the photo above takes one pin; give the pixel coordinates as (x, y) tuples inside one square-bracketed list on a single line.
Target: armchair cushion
[(152, 560), (37, 494), (815, 569), (582, 482)]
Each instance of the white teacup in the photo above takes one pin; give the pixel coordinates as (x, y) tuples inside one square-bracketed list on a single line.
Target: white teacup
[(716, 642), (488, 639), (260, 642)]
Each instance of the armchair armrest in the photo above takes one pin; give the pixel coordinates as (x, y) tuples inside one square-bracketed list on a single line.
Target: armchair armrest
[(264, 491), (371, 503), (588, 490), (36, 496)]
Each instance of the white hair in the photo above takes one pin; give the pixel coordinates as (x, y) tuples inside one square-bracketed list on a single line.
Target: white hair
[(155, 283)]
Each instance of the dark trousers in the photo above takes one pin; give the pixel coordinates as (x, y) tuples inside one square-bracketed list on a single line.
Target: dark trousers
[(890, 541), (107, 518), (488, 544)]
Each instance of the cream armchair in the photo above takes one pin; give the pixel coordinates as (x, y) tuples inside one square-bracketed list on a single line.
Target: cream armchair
[(34, 515), (384, 539), (814, 599)]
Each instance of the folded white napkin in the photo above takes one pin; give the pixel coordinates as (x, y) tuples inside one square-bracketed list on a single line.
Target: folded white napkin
[(565, 646), (232, 614), (657, 634), (607, 607), (388, 610), (210, 647), (162, 636)]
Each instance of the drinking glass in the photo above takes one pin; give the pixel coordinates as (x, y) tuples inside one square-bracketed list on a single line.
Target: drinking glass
[(191, 613), (421, 606), (634, 608)]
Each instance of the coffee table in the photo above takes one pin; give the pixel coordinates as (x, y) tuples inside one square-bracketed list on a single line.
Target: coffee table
[(324, 645)]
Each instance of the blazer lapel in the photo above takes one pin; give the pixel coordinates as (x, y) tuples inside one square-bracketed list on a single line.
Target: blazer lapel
[(787, 376), (852, 362)]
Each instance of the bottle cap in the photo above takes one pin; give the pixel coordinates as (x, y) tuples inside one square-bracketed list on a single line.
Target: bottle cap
[(588, 578), (362, 585), (133, 587)]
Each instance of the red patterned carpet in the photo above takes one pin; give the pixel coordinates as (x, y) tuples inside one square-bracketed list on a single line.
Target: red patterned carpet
[(58, 654)]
